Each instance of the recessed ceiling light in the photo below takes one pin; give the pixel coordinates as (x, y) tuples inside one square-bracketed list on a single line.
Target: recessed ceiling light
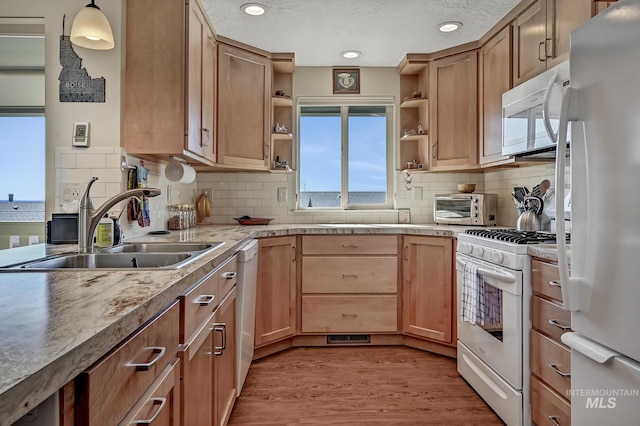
[(350, 54), (253, 9), (447, 27)]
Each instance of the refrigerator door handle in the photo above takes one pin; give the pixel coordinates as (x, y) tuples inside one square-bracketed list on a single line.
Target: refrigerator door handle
[(570, 295), (588, 347)]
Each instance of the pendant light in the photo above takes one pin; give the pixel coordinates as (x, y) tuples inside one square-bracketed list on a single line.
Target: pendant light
[(91, 29)]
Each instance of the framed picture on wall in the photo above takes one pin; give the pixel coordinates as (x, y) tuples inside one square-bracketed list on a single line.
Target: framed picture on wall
[(346, 81)]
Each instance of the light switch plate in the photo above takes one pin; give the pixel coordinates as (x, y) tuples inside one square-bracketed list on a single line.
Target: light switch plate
[(417, 193), (282, 193)]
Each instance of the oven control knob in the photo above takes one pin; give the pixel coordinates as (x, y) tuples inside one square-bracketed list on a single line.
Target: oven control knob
[(479, 251), (466, 248), (498, 257)]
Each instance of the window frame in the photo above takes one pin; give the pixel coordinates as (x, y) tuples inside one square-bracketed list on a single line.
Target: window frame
[(344, 102)]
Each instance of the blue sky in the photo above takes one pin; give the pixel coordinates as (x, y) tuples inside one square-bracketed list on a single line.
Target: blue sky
[(320, 160), (22, 161)]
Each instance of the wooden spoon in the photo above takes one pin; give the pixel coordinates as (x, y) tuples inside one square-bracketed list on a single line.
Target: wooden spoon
[(544, 185)]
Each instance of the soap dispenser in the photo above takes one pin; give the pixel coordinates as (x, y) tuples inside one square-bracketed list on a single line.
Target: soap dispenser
[(104, 232)]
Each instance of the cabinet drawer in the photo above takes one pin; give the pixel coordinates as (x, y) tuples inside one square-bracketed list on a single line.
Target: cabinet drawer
[(107, 390), (228, 276), (350, 244), (197, 304), (545, 279), (161, 403), (350, 274), (550, 318), (547, 406), (550, 361), (345, 314)]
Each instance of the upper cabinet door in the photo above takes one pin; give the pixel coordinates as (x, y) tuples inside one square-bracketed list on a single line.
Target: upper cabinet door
[(453, 112), (244, 108), (495, 79), (563, 16), (201, 84), (530, 39)]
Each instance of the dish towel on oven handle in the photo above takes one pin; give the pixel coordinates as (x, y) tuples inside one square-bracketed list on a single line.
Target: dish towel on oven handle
[(473, 296)]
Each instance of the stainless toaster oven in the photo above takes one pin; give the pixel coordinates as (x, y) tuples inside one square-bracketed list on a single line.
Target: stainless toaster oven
[(466, 209)]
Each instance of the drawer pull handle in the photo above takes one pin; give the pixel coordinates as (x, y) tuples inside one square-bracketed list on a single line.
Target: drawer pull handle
[(553, 420), (350, 245), (560, 326), (564, 375), (205, 299), (159, 402), (349, 275), (555, 284), (229, 275), (222, 329), (350, 315), (145, 366)]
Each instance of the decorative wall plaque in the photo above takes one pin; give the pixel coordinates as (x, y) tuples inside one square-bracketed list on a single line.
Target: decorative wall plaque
[(75, 83), (346, 80)]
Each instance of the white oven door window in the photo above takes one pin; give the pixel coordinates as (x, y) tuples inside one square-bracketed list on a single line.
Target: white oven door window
[(497, 342)]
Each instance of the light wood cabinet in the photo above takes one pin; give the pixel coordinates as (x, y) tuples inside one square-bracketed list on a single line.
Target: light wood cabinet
[(428, 297), (414, 110), (541, 35), (244, 108), (276, 290), (208, 350), (197, 382), (495, 79), (349, 284), (598, 6), (160, 405), (110, 388), (170, 81), (550, 359), (453, 112), (225, 370), (282, 149)]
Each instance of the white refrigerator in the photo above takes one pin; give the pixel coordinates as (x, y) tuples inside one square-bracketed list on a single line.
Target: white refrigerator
[(603, 289)]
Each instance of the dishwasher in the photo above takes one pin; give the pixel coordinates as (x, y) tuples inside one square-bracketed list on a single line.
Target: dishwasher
[(246, 314)]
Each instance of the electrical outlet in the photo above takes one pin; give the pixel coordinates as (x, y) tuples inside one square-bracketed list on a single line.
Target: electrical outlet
[(70, 192), (417, 193), (282, 194)]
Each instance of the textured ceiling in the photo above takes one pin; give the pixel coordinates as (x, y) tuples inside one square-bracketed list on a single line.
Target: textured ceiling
[(383, 30)]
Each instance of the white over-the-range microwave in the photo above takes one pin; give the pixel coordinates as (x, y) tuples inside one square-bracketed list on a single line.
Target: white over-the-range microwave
[(531, 114), (466, 209)]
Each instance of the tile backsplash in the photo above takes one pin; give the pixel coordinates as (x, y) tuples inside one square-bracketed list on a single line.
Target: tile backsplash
[(76, 166), (256, 194)]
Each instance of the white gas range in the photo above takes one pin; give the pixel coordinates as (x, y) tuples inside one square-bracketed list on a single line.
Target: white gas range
[(493, 342)]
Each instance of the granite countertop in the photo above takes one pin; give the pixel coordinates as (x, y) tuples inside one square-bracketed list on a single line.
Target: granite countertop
[(53, 325)]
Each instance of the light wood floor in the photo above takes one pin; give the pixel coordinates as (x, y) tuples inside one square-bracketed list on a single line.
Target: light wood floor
[(358, 386)]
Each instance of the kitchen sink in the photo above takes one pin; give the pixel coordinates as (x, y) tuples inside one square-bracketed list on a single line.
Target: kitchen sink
[(109, 261), (162, 247), (124, 257)]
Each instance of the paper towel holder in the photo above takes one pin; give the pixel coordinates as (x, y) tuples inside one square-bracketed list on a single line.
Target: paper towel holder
[(177, 170)]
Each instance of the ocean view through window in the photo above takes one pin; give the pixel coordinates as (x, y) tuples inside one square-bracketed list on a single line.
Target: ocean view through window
[(344, 157)]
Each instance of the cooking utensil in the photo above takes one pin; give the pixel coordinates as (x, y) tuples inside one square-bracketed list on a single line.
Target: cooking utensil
[(544, 187), (535, 192), (466, 187), (203, 206), (519, 193), (533, 219)]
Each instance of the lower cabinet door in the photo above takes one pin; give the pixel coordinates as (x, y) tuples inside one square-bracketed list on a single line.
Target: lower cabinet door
[(160, 404), (197, 377), (224, 332)]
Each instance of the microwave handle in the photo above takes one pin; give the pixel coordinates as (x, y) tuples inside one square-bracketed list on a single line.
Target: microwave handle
[(545, 106)]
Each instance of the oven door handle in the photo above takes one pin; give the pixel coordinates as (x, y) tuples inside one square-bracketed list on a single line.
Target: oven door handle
[(492, 274)]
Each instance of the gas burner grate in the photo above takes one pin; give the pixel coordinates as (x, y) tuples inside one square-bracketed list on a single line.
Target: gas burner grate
[(515, 236)]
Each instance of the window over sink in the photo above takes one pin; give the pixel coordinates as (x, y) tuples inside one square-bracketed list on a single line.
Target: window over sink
[(345, 150)]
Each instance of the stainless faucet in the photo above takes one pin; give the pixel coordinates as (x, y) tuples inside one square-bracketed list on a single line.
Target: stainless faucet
[(89, 217)]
